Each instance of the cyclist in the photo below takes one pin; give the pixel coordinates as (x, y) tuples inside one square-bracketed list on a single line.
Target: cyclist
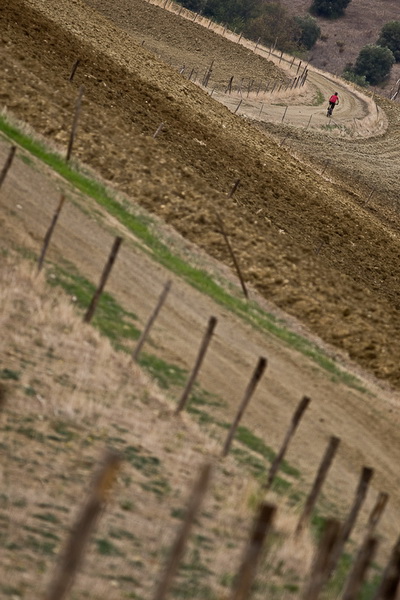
[(333, 101)]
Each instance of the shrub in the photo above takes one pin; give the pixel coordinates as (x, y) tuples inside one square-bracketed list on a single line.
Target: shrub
[(309, 31), (331, 9), (349, 75), (390, 38), (374, 62)]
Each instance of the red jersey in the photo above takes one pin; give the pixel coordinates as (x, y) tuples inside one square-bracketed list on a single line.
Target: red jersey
[(334, 99)]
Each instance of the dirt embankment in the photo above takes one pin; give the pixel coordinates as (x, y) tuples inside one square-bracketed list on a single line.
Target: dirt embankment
[(307, 243)]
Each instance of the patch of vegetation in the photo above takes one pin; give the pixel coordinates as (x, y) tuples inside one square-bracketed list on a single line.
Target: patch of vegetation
[(166, 374), (192, 582), (120, 534), (49, 517), (39, 546), (110, 318), (256, 444), (106, 547), (32, 434), (127, 505), (10, 374), (159, 487), (146, 463), (319, 98)]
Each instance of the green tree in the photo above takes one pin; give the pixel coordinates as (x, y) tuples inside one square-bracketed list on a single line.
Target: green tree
[(390, 37), (331, 9), (274, 27), (309, 31), (374, 62)]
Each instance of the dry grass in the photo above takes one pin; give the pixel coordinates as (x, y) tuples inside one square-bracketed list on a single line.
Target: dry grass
[(69, 394)]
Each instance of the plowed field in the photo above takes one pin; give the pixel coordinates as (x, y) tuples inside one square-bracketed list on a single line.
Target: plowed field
[(314, 222), (312, 244)]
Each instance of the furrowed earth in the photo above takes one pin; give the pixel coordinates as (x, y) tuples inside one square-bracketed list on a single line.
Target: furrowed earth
[(314, 221)]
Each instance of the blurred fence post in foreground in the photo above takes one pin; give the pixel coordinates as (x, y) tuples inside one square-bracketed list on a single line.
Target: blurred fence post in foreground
[(73, 553), (178, 548)]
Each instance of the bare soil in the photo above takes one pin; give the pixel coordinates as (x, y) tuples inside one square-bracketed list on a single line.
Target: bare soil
[(309, 235)]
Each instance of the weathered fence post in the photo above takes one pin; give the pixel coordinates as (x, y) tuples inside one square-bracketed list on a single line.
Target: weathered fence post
[(75, 122), (49, 232), (234, 188), (7, 164), (321, 568), (390, 583), (318, 482), (152, 318), (178, 547), (73, 553), (208, 74), (304, 402), (377, 512), (158, 130), (233, 257), (347, 528), (258, 373), (106, 271), (309, 121), (238, 106), (73, 70), (203, 349), (357, 574), (248, 568), (284, 114), (229, 86)]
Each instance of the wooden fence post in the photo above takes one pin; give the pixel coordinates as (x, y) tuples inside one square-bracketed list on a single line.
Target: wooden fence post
[(304, 402), (234, 188), (390, 583), (377, 512), (318, 482), (106, 272), (357, 574), (248, 568), (258, 372), (49, 232), (73, 70), (7, 164), (233, 257), (73, 553), (238, 106), (284, 114), (321, 568), (178, 547), (152, 318), (158, 130), (229, 86), (203, 349), (75, 122), (347, 528)]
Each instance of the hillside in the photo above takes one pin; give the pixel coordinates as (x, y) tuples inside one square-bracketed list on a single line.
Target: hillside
[(318, 244), (342, 39)]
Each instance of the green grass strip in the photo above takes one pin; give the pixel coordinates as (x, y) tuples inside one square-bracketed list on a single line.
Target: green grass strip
[(197, 278)]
